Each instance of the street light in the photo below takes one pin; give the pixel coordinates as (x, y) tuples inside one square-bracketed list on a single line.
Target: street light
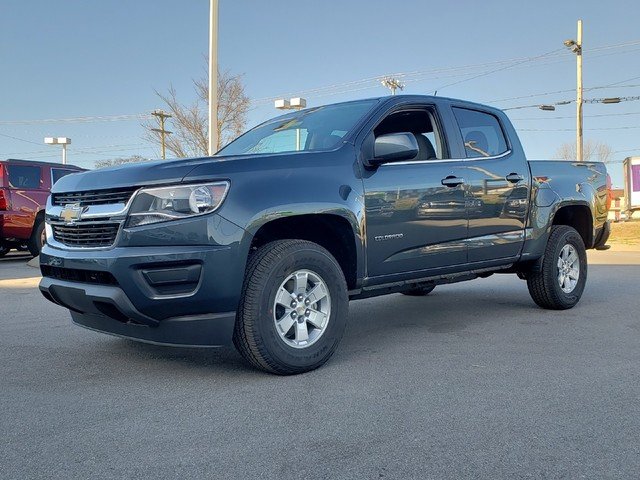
[(296, 103), (64, 141)]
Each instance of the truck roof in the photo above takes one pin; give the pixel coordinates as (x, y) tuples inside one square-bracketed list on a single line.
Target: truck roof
[(41, 163)]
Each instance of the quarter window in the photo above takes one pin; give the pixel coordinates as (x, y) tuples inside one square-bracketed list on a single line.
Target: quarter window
[(58, 173), (481, 133), (24, 176)]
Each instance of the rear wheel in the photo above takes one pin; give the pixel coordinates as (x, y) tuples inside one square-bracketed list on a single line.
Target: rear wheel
[(38, 238), (419, 292), (294, 307), (4, 250), (561, 280)]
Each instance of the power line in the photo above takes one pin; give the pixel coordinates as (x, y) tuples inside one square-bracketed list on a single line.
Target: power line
[(484, 74), (20, 139), (346, 87), (93, 118), (573, 116), (97, 150), (613, 99), (588, 100), (406, 76), (573, 129)]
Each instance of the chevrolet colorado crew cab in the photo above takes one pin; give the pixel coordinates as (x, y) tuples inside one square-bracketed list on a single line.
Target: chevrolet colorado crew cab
[(264, 244)]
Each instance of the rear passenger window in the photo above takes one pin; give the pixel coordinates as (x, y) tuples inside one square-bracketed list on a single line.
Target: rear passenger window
[(481, 132), (58, 173), (21, 176)]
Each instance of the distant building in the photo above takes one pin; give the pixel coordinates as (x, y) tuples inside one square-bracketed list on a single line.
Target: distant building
[(617, 204)]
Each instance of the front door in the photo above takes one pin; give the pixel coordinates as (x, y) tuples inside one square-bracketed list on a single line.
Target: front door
[(415, 210)]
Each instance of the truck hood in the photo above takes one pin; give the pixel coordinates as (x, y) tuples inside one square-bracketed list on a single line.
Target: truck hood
[(172, 171)]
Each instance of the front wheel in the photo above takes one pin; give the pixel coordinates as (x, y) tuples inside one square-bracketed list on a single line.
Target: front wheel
[(293, 309), (562, 277)]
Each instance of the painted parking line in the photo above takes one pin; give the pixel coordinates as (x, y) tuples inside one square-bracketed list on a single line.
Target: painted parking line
[(28, 282)]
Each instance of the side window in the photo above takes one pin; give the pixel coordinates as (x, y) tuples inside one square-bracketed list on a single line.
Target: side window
[(422, 125), (58, 173), (481, 133), (22, 176)]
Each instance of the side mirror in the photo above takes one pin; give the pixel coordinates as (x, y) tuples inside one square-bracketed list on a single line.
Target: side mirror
[(394, 147)]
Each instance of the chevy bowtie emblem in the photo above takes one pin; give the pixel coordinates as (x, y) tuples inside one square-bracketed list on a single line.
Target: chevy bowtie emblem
[(71, 212)]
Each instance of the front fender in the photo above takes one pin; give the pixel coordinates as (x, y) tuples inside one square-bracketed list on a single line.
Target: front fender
[(300, 184)]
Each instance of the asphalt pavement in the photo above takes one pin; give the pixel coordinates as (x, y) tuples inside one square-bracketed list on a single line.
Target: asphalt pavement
[(473, 381)]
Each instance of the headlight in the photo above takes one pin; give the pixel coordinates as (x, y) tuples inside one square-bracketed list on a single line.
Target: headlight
[(153, 205)]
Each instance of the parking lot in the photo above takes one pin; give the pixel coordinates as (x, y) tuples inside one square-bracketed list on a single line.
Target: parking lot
[(471, 381)]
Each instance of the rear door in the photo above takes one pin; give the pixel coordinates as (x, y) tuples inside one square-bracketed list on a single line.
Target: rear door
[(498, 186)]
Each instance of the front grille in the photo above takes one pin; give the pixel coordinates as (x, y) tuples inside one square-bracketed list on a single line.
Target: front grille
[(95, 197), (77, 275), (86, 234)]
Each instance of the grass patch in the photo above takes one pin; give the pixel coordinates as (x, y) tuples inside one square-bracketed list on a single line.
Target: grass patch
[(627, 233)]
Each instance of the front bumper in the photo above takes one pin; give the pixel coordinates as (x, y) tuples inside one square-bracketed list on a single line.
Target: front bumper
[(166, 294), (107, 309)]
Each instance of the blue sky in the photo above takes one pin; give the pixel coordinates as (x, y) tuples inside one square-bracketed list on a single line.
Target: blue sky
[(75, 58)]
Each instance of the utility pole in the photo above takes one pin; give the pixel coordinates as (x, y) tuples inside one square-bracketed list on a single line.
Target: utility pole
[(576, 47), (579, 102), (392, 84), (161, 116), (213, 77)]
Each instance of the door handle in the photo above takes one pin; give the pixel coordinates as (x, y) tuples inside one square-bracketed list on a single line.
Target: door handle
[(514, 177), (452, 181)]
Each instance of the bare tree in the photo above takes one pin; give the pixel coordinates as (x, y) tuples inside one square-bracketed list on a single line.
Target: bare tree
[(190, 123), (591, 150), (120, 161)]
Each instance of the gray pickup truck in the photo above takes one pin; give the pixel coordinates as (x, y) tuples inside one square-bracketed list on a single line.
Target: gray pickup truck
[(264, 244)]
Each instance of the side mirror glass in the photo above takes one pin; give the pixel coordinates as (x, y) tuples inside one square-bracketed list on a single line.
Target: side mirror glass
[(394, 147)]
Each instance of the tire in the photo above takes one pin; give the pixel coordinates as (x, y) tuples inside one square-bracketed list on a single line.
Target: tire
[(35, 242), (278, 269), (4, 250), (419, 292), (545, 286)]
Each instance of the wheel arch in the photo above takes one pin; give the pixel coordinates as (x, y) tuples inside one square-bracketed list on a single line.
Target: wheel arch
[(577, 215), (332, 231)]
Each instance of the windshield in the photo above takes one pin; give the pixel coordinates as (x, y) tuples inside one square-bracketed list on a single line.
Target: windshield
[(320, 128)]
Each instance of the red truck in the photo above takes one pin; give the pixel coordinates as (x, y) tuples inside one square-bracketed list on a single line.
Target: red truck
[(24, 188)]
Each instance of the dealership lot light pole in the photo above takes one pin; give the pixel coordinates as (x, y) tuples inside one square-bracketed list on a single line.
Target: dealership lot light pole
[(213, 77), (296, 103), (64, 141)]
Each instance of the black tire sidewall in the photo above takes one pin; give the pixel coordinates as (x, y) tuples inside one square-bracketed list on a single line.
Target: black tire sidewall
[(573, 238), (35, 244), (326, 267)]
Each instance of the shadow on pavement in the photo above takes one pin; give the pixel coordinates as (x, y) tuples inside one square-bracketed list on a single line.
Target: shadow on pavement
[(375, 325)]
